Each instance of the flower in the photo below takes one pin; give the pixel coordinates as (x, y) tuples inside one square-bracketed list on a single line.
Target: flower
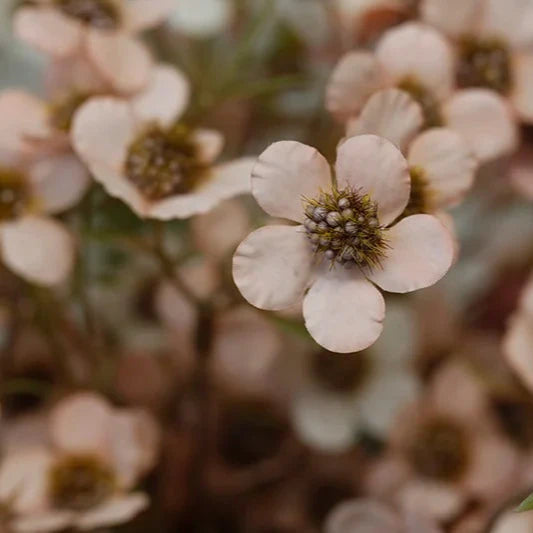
[(346, 224), (99, 30), (81, 473), (419, 60), (141, 153), (34, 181)]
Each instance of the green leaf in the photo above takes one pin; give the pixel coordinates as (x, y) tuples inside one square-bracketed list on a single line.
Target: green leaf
[(526, 505)]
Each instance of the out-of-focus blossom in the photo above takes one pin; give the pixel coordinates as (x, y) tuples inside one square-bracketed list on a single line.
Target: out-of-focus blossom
[(202, 18), (492, 41), (141, 153), (512, 522), (82, 472), (101, 31), (341, 225), (419, 60)]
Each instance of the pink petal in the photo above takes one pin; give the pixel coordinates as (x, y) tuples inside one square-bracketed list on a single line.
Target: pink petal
[(373, 165), (44, 522), (286, 173), (447, 164), (123, 61), (165, 98), (38, 249), (144, 14), (418, 52), (391, 114), (210, 144), (454, 17), (343, 312), (362, 516), (355, 78), (484, 120), (421, 252), (513, 522), (510, 21), (48, 29), (272, 266), (517, 348), (522, 91)]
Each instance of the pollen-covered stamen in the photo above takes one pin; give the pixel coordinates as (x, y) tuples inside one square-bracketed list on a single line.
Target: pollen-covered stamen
[(62, 111), (103, 14), (419, 201), (429, 104), (439, 450), (484, 63), (80, 482), (344, 227), (162, 163), (14, 193)]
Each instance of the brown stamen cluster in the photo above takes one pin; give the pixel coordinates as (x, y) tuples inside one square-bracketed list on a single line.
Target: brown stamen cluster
[(102, 14), (62, 111), (340, 372), (344, 227), (484, 63), (80, 482), (14, 194), (161, 163), (428, 103)]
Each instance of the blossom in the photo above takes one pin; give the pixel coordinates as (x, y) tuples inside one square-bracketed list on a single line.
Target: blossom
[(348, 224), (102, 31), (141, 152), (419, 60), (81, 473)]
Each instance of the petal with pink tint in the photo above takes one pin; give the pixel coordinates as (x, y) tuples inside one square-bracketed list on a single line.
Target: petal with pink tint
[(513, 522), (48, 29), (484, 120), (517, 348), (164, 99), (44, 522), (122, 60), (362, 516), (511, 21), (453, 17), (144, 14), (421, 252), (113, 512), (59, 182), (38, 249), (272, 266), (285, 174), (355, 78), (373, 165), (391, 114), (522, 89), (446, 163), (210, 144), (343, 312), (80, 423), (174, 309), (417, 52)]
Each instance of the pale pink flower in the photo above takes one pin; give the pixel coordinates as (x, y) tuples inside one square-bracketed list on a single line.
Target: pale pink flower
[(140, 152), (349, 224), (102, 31), (88, 444), (418, 59)]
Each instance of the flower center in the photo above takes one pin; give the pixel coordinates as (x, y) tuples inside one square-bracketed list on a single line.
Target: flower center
[(14, 194), (344, 227), (102, 14), (62, 111), (428, 103), (418, 199), (484, 63), (80, 482), (162, 163), (440, 450)]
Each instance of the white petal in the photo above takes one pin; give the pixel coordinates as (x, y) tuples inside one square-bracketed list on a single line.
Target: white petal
[(122, 60), (447, 164), (286, 173), (38, 249), (362, 516), (143, 14), (391, 114), (272, 266), (355, 78), (373, 165), (421, 252), (44, 522), (510, 21), (517, 348), (165, 98), (484, 120), (454, 17), (343, 312), (210, 144), (513, 522), (202, 18), (522, 88), (420, 53)]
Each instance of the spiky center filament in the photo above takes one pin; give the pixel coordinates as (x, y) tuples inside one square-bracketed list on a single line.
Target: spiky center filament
[(419, 197), (80, 482), (14, 193), (103, 14), (484, 63), (341, 372), (62, 111), (161, 163), (343, 226), (429, 104), (439, 450)]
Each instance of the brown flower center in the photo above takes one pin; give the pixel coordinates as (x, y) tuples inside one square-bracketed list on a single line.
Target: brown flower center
[(484, 63), (161, 163), (62, 110), (439, 450), (418, 198), (428, 103), (80, 482), (102, 14), (14, 194), (344, 227)]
